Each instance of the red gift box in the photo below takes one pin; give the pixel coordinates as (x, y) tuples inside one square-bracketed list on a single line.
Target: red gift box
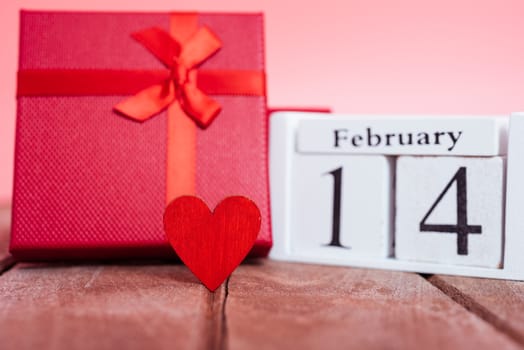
[(118, 113)]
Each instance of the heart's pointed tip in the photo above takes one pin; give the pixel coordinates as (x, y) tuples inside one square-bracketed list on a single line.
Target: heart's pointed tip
[(212, 287)]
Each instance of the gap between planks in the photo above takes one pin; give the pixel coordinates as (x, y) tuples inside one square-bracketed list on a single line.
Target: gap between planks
[(218, 320), (284, 305), (473, 306)]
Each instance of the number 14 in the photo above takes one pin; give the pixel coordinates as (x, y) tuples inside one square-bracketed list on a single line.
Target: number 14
[(461, 228)]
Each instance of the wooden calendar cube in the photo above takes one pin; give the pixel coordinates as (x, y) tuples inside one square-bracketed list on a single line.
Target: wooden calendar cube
[(341, 206), (514, 224), (449, 210), (328, 208)]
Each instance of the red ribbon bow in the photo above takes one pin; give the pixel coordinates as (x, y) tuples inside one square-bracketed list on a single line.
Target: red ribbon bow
[(180, 87)]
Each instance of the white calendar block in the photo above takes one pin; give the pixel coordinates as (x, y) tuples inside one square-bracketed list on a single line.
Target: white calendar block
[(402, 135), (332, 208), (449, 210), (341, 206), (468, 242), (514, 242)]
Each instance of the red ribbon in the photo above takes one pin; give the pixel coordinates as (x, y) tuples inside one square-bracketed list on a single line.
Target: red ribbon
[(182, 83), (183, 89), (180, 86)]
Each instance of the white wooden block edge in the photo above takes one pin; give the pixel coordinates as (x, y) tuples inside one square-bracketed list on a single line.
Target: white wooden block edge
[(459, 135), (514, 221), (282, 145)]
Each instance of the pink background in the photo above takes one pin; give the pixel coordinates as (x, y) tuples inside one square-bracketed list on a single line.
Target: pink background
[(370, 56)]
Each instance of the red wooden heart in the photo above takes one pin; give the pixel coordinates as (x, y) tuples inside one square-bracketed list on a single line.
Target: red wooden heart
[(212, 245)]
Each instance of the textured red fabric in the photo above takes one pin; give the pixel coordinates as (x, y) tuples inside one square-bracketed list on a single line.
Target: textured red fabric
[(90, 183), (235, 144)]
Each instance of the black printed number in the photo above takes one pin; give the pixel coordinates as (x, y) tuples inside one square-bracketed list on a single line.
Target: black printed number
[(461, 228), (337, 192)]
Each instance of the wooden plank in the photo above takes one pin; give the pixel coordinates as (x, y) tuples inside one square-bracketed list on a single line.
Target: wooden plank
[(274, 305), (499, 302), (5, 228), (107, 307)]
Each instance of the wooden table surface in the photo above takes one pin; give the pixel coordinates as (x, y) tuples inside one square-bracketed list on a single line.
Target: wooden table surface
[(264, 305)]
